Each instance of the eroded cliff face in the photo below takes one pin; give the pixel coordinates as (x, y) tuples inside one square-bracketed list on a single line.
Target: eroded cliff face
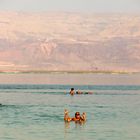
[(69, 41)]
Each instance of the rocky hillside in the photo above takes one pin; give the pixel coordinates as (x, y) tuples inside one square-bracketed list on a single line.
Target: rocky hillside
[(69, 41)]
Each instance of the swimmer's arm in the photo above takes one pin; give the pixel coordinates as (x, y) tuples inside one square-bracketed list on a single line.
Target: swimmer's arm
[(67, 120)]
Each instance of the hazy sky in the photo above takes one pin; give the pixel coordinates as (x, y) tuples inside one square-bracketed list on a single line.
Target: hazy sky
[(123, 6)]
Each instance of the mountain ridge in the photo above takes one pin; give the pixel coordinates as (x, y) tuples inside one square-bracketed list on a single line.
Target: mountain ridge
[(69, 42)]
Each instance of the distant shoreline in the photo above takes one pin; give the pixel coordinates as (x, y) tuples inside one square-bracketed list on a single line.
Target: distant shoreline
[(67, 72)]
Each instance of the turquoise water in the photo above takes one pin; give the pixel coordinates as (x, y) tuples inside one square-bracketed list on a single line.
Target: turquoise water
[(35, 112)]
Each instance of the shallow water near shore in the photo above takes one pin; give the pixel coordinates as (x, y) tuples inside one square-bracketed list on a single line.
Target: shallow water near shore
[(34, 111)]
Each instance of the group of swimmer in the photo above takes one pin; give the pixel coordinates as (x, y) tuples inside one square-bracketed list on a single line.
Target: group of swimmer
[(72, 92), (77, 118)]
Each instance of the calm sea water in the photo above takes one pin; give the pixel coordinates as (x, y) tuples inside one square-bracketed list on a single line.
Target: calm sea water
[(35, 111)]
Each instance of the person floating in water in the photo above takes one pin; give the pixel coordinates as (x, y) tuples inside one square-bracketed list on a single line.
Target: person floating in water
[(77, 118), (79, 92), (72, 92)]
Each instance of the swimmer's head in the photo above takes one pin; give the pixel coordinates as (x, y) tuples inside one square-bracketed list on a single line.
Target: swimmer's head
[(84, 113), (66, 111), (77, 115), (72, 88)]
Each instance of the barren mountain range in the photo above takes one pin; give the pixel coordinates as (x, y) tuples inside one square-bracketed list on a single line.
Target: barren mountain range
[(69, 42)]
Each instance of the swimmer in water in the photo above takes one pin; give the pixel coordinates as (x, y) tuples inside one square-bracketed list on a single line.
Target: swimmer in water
[(66, 116), (83, 117), (77, 118), (79, 92), (72, 92)]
